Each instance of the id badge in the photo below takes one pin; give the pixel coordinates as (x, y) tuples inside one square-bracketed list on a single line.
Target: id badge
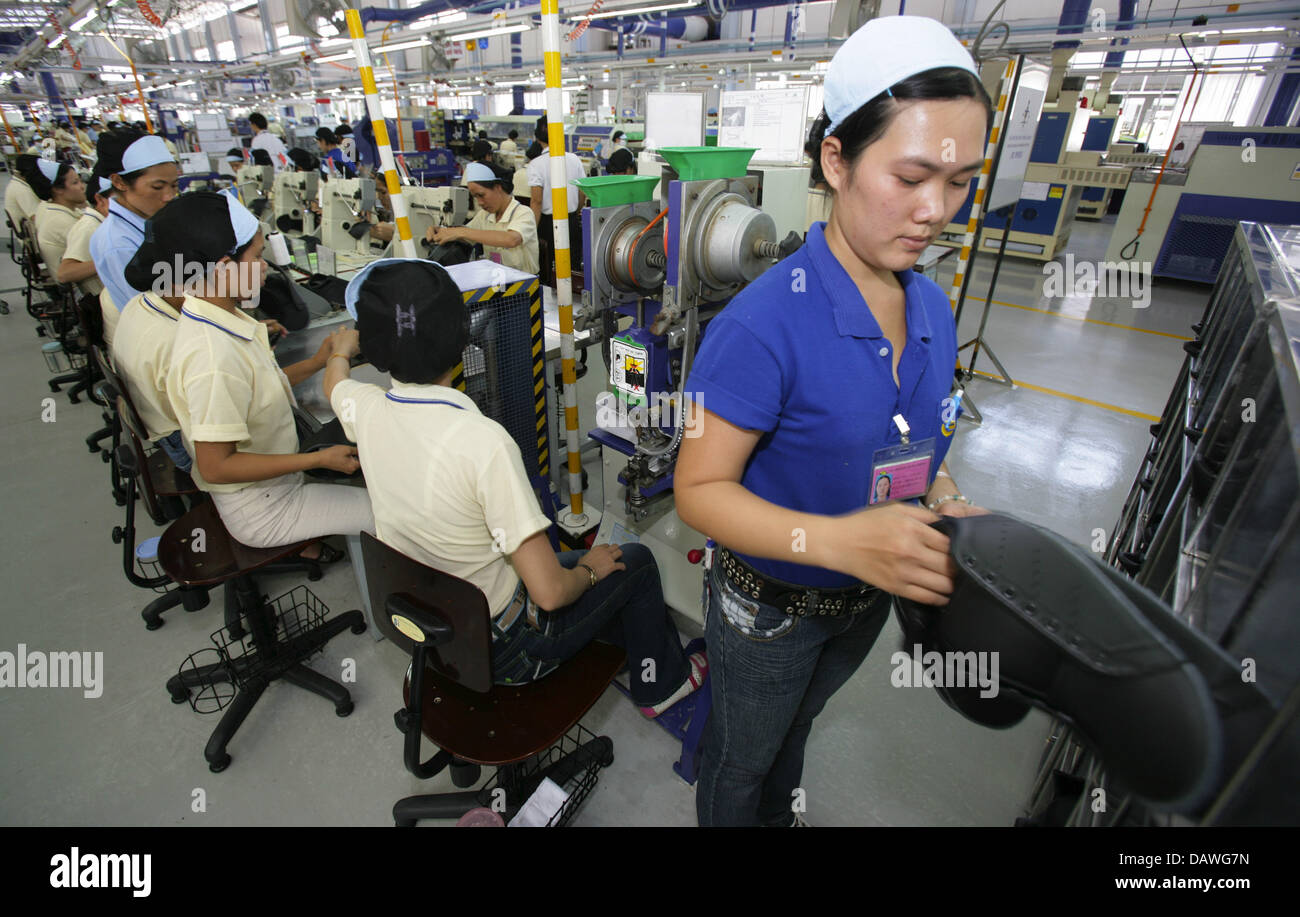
[(901, 472)]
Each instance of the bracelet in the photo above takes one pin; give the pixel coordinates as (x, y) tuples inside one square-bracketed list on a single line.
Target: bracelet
[(590, 572), (342, 355), (947, 498)]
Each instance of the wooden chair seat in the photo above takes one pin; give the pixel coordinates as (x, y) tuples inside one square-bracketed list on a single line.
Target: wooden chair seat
[(511, 723), (222, 557), (168, 480)]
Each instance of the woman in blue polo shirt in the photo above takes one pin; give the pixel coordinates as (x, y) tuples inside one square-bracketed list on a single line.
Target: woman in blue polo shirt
[(830, 372)]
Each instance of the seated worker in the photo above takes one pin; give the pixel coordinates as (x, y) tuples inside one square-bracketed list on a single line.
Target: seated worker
[(144, 177), (449, 490), (480, 152), (621, 162), (333, 160), (235, 156), (502, 225), (304, 161), (77, 265), (63, 196), (347, 143), (233, 404), (20, 200), (381, 219), (508, 145)]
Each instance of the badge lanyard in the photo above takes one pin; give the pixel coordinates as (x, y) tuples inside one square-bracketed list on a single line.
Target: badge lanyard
[(901, 472)]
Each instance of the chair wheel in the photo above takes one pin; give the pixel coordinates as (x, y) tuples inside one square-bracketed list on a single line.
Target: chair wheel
[(182, 699), (344, 709), (73, 398), (220, 764), (92, 448), (54, 386), (404, 823), (153, 625), (315, 574), (104, 456), (119, 499), (359, 628)]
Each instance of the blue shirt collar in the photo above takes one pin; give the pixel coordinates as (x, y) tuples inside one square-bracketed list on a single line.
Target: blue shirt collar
[(852, 316), (121, 211)]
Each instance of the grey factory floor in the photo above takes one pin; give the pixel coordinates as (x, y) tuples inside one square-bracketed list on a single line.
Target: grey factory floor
[(1059, 450)]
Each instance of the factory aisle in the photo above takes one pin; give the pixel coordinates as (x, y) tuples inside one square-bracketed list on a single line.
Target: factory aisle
[(1060, 451)]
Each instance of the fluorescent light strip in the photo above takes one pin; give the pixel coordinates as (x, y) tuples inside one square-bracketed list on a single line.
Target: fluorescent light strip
[(485, 33), (335, 57), (404, 46), (659, 8)]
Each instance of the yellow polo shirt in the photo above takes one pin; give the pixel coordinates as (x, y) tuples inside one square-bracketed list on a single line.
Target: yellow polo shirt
[(142, 355), (79, 247), (447, 484), (20, 201), (53, 221), (225, 386), (516, 216)]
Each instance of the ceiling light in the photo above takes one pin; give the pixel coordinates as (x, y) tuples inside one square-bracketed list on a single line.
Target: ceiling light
[(405, 46), (654, 8), (485, 33), (335, 57)]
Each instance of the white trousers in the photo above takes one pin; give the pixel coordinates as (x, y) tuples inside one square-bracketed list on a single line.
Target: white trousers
[(285, 510)]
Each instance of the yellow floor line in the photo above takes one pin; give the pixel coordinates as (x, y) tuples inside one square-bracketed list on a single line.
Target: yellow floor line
[(1075, 318), (1069, 397)]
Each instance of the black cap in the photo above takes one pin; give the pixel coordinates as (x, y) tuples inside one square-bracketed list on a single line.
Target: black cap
[(411, 318), (195, 227), (620, 161)]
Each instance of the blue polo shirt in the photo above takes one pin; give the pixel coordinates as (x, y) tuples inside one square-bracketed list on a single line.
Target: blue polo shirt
[(112, 246), (799, 356)]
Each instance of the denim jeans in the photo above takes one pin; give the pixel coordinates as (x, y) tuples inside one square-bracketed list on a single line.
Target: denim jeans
[(772, 673), (175, 449), (626, 608)]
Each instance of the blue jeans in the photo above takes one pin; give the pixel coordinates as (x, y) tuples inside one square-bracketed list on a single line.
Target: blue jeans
[(626, 608), (772, 673), (174, 446)]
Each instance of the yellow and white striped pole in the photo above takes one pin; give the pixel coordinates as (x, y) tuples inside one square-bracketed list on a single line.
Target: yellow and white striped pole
[(981, 189), (376, 112), (563, 274)]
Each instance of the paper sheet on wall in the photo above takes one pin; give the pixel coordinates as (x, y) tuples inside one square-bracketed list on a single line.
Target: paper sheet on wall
[(771, 120)]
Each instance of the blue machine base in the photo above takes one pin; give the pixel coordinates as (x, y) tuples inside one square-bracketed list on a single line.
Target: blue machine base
[(685, 720)]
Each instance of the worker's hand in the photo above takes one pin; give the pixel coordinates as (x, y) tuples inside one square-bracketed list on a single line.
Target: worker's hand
[(347, 342), (604, 559), (338, 458), (892, 547), (428, 234), (444, 234), (328, 347), (314, 207), (274, 327), (958, 508)]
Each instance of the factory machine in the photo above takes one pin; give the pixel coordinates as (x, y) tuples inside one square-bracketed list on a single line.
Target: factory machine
[(344, 227), (255, 184), (435, 207), (653, 279), (1233, 174), (1054, 183), (1093, 201), (295, 192)]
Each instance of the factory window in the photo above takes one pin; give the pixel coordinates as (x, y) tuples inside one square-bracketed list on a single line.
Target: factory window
[(225, 50), (503, 103), (284, 40), (535, 100)]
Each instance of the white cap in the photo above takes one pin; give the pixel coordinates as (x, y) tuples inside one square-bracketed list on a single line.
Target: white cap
[(105, 184), (884, 52), (49, 169), (242, 220), (148, 151), (477, 172)]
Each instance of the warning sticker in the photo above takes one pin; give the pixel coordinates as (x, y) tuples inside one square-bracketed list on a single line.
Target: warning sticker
[(628, 362)]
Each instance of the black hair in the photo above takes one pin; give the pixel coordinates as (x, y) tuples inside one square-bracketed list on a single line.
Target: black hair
[(514, 134), (92, 186), (866, 125), (617, 134), (261, 158), (111, 146), (621, 160), (482, 135), (258, 120), (303, 161), (343, 130), (324, 133), (235, 151), (540, 130), (480, 150), (534, 150)]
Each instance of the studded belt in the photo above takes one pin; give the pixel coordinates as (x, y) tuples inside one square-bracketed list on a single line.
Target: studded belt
[(793, 599)]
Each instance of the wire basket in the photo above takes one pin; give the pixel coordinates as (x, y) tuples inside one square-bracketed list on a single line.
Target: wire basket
[(295, 613), (212, 691), (579, 741), (146, 561)]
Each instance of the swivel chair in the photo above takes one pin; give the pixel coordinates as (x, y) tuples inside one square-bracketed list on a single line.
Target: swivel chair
[(523, 730)]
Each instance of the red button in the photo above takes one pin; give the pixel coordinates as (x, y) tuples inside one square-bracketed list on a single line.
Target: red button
[(695, 555)]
